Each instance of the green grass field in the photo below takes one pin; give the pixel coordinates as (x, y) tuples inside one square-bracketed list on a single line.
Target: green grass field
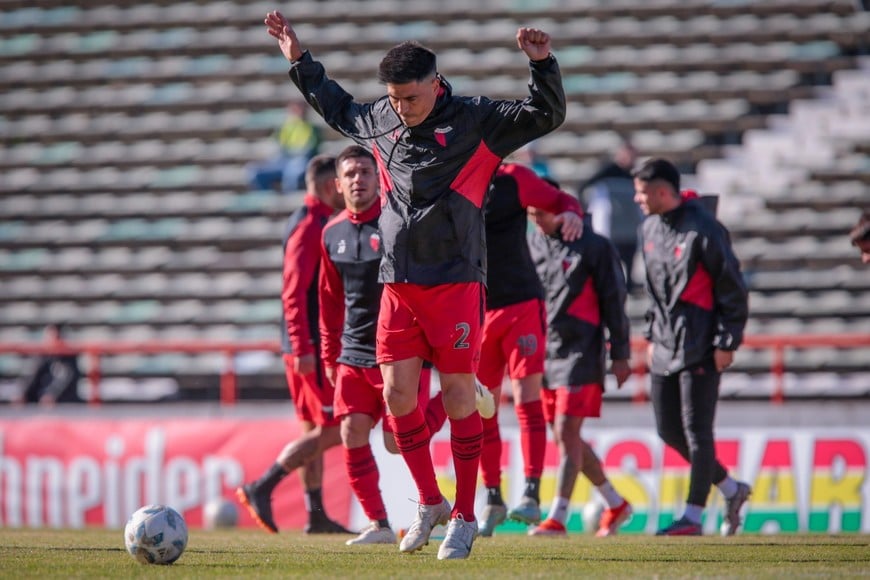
[(254, 554)]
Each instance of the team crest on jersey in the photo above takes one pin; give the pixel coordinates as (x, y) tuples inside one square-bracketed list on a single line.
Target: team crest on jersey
[(441, 135), (648, 247), (375, 242), (394, 136), (342, 246), (679, 249)]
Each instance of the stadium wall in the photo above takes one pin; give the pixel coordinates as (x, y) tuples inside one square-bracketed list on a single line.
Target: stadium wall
[(69, 468)]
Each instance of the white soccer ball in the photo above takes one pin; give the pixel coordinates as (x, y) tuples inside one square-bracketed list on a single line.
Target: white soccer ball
[(592, 516), (220, 513), (155, 534)]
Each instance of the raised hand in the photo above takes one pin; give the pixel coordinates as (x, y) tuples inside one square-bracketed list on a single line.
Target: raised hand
[(535, 43), (279, 27)]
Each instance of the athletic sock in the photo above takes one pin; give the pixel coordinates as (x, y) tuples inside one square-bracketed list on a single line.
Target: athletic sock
[(466, 440), (533, 437), (362, 470), (559, 509), (436, 416), (490, 456), (693, 513), (533, 488), (314, 501), (412, 439), (270, 478), (610, 495), (728, 486), (493, 496)]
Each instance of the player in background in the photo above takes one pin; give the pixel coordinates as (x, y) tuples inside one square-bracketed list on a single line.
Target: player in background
[(350, 296), (436, 155), (514, 332), (312, 395), (695, 321), (585, 294)]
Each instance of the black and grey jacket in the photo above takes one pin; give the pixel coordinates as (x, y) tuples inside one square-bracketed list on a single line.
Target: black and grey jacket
[(698, 299), (434, 176)]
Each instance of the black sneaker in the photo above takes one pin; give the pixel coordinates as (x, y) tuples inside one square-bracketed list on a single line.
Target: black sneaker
[(732, 509), (319, 523), (681, 527), (260, 506)]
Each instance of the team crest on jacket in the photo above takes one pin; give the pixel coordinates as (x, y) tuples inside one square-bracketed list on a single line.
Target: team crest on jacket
[(441, 135), (375, 242), (342, 246)]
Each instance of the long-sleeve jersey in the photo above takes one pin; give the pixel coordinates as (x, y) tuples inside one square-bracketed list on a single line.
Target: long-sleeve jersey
[(586, 292), (511, 277), (299, 285), (698, 300), (434, 176), (349, 290)]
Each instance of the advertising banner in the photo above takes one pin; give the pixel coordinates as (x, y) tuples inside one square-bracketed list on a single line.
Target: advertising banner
[(69, 473)]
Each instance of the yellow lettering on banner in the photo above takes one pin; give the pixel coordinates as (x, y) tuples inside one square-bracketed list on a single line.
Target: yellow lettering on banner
[(828, 489), (774, 488), (632, 489)]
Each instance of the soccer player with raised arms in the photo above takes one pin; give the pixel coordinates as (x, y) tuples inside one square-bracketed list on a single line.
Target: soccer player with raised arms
[(436, 155)]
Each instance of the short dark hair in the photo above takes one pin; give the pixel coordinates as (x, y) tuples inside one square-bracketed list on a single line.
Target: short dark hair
[(861, 231), (407, 62), (320, 167), (352, 151), (658, 168)]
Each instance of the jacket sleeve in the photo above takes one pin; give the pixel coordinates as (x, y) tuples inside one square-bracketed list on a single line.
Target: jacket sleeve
[(610, 286), (301, 257), (536, 192), (331, 101), (730, 296), (330, 293), (508, 125)]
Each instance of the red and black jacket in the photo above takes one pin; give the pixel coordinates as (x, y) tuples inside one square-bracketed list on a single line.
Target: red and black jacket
[(434, 176), (699, 301), (586, 292), (299, 286), (511, 277), (350, 293)]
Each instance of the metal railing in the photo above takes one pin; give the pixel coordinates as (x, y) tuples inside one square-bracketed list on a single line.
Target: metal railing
[(94, 351)]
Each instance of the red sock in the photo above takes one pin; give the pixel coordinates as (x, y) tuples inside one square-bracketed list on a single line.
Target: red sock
[(466, 439), (533, 436), (490, 456), (364, 476), (436, 416), (412, 438)]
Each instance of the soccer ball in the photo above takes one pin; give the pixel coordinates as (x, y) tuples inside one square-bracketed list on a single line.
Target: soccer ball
[(220, 513), (592, 516), (155, 534)]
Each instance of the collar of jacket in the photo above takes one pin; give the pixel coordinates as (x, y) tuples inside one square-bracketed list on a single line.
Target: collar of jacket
[(364, 216), (317, 206)]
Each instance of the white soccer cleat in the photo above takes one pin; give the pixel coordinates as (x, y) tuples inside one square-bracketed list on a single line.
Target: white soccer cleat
[(373, 534), (484, 401), (528, 512), (732, 509), (428, 516), (460, 536), (493, 516)]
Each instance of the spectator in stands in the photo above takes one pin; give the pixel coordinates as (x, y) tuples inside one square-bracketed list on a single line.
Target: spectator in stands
[(695, 321), (51, 378), (312, 394), (860, 236), (437, 153), (585, 294), (298, 141), (609, 197)]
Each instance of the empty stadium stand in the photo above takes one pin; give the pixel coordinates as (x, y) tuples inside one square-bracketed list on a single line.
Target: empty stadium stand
[(125, 129)]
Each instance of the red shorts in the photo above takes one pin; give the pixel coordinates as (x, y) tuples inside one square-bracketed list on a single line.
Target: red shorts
[(583, 401), (438, 323), (513, 338), (312, 395), (361, 390)]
